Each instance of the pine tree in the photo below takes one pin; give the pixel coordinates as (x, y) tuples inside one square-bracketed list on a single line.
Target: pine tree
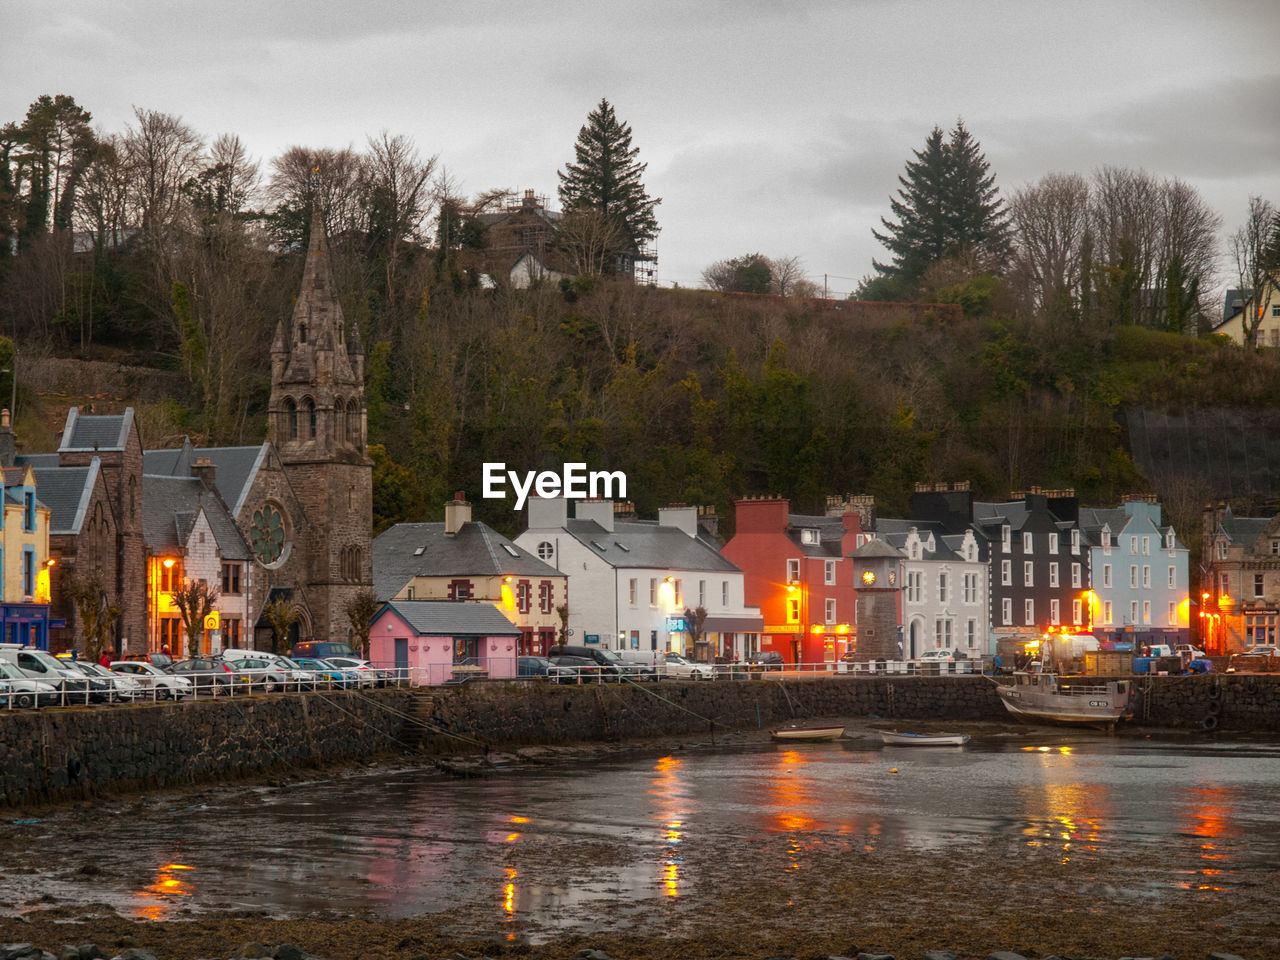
[(605, 179), (948, 203)]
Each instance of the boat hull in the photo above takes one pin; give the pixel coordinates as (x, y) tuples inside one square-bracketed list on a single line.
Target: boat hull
[(807, 733), (924, 739), (1045, 698)]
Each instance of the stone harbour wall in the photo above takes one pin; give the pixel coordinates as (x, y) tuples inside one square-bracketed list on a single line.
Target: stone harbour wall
[(71, 753), (57, 754)]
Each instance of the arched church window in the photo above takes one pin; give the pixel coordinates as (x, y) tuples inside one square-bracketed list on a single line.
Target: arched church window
[(307, 431), (339, 422), (353, 424), (302, 333), (291, 418)]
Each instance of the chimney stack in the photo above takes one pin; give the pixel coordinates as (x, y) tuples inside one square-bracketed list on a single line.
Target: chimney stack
[(456, 512)]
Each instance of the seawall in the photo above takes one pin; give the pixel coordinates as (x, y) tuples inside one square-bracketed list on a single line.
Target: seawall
[(73, 753)]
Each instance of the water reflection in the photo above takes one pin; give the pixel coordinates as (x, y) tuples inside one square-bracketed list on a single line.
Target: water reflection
[(553, 843), (157, 899)]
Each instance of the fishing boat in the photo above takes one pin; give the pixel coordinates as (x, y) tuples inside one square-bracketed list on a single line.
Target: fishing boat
[(812, 732), (1082, 701), (895, 739)]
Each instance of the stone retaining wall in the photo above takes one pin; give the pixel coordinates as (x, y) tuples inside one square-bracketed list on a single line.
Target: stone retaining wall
[(60, 754), (78, 752)]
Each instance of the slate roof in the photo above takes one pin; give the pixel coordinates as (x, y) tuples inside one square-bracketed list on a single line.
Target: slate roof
[(40, 461), (169, 508), (1243, 530), (995, 514), (451, 618), (96, 432), (646, 543), (234, 467), (477, 550), (66, 491), (830, 534)]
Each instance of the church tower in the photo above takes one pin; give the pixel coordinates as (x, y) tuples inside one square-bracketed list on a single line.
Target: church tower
[(317, 421)]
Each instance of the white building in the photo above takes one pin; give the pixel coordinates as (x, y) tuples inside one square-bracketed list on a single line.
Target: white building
[(944, 588), (631, 581)]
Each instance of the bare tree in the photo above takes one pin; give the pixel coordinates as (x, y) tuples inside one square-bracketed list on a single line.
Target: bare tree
[(281, 615), (194, 600), (360, 610), (399, 197), (1186, 258), (1253, 247), (589, 239), (97, 615), (788, 278), (1050, 219)]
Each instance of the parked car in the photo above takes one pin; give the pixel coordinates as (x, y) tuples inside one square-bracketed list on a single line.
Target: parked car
[(674, 666), (125, 688), (161, 660), (209, 675), (328, 675), (1263, 650), (611, 666), (530, 667), (101, 690), (17, 691), (765, 660), (370, 676), (577, 669), (72, 686), (290, 676), (936, 656), (322, 649), (155, 682), (266, 675), (1189, 651)]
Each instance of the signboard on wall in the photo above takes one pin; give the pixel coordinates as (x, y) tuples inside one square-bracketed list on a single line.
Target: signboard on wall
[(591, 637), (675, 625)]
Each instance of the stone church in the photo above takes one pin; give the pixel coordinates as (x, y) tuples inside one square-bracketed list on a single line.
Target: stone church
[(288, 519)]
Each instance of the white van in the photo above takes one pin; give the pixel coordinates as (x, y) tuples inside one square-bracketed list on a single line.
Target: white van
[(36, 664), (642, 664)]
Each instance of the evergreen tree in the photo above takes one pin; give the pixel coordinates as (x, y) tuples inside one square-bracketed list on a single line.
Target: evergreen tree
[(606, 179), (948, 203)]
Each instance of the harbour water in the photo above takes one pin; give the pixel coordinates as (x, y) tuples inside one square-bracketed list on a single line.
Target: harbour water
[(555, 844)]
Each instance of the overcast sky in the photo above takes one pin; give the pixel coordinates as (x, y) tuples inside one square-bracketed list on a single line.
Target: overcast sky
[(767, 126)]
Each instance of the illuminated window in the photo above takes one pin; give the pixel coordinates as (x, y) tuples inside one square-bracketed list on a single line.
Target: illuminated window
[(1173, 612), (793, 610), (1146, 611)]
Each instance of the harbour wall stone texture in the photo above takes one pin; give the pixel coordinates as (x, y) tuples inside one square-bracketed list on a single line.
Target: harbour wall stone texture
[(74, 753), (77, 753)]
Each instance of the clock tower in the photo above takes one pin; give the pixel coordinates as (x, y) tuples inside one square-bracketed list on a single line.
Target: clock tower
[(317, 423), (876, 571)]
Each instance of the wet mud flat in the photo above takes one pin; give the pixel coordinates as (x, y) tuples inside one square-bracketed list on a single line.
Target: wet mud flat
[(750, 896)]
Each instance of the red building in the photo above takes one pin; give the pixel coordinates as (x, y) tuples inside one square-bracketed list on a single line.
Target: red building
[(797, 571)]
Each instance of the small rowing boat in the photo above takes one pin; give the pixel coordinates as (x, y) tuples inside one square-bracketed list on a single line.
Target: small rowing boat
[(895, 739), (828, 732)]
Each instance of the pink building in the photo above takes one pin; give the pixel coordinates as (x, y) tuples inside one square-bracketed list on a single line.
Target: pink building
[(438, 641)]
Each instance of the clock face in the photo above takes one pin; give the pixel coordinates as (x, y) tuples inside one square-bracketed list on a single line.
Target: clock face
[(266, 534)]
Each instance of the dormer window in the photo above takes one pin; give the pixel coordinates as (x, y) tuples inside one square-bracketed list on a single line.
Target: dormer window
[(1006, 535), (808, 535)]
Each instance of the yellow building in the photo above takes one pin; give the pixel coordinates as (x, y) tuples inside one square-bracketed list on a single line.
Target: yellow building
[(24, 605), (1262, 309)]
